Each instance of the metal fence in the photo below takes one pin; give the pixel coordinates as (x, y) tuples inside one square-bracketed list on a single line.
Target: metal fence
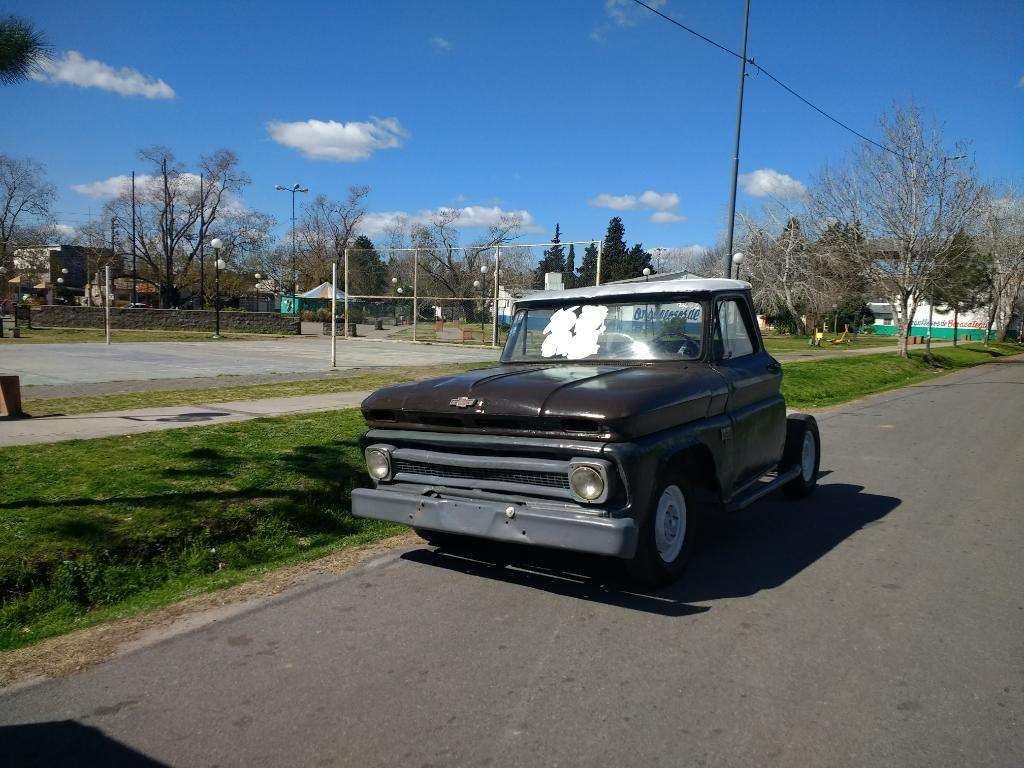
[(442, 294)]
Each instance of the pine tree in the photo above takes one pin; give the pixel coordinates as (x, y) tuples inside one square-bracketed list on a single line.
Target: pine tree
[(569, 275), (587, 273), (552, 261), (367, 271), (636, 259), (614, 254)]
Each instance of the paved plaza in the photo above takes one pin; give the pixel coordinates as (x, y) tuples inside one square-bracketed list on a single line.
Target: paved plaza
[(50, 364)]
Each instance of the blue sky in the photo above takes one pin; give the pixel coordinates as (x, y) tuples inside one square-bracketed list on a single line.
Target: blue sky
[(534, 106)]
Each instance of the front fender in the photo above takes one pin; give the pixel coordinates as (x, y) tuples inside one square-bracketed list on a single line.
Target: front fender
[(644, 460)]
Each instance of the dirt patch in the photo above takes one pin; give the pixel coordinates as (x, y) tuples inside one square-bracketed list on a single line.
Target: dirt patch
[(76, 651)]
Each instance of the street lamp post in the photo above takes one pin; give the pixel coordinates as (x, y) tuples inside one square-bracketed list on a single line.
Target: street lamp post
[(217, 244), (256, 291), (483, 299), (296, 187)]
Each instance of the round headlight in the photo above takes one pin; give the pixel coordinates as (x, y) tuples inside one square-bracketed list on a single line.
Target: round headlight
[(378, 463), (586, 483)]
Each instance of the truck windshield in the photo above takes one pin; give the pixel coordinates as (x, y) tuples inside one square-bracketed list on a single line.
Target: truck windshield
[(670, 330)]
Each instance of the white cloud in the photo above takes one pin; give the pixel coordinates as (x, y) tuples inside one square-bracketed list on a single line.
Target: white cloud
[(470, 217), (343, 142), (74, 69), (115, 186), (65, 230), (626, 13), (766, 182), (108, 188), (659, 201), (615, 202), (441, 44), (663, 204)]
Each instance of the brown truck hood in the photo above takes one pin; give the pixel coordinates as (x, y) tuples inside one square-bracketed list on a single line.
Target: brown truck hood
[(617, 400)]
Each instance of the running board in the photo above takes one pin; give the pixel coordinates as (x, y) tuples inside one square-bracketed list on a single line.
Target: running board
[(760, 491)]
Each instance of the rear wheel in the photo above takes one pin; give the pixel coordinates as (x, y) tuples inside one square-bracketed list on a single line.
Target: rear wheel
[(667, 536), (803, 449)]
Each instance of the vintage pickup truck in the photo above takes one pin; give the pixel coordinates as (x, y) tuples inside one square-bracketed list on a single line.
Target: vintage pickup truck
[(618, 417)]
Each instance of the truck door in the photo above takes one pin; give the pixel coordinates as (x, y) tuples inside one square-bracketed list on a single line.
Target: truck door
[(755, 405)]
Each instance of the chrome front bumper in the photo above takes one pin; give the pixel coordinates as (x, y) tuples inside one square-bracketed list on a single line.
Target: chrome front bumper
[(581, 531)]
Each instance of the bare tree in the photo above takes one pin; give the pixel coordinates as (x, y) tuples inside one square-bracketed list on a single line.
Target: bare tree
[(178, 212), (778, 263), (25, 200), (327, 228), (909, 200), (1001, 238)]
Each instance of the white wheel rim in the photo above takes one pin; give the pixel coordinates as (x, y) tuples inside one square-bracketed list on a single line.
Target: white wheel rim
[(670, 523), (807, 458)]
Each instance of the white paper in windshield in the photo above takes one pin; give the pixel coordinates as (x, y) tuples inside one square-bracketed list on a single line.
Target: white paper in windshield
[(573, 332)]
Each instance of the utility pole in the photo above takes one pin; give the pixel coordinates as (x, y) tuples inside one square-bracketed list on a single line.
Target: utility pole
[(135, 274), (727, 265), (202, 245)]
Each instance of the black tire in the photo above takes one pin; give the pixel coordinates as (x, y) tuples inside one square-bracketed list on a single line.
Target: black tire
[(798, 430), (660, 560)]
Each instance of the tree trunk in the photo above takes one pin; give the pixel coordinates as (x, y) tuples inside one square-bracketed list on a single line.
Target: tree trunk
[(956, 318), (904, 324)]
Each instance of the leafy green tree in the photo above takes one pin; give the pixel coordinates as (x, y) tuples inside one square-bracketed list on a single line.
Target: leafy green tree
[(614, 253), (587, 273), (552, 261), (368, 274), (22, 49), (961, 282), (636, 260), (569, 275)]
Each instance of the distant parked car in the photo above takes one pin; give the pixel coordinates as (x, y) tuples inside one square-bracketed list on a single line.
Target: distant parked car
[(617, 417), (138, 305)]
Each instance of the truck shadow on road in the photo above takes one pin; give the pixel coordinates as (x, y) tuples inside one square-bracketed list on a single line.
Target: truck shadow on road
[(739, 556), (67, 743)]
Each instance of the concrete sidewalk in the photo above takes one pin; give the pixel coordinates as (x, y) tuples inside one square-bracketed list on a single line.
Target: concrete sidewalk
[(830, 353), (54, 429)]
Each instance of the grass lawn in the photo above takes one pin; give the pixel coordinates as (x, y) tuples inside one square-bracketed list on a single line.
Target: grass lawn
[(79, 335), (96, 529), (155, 399), (183, 511), (820, 383), (782, 343)]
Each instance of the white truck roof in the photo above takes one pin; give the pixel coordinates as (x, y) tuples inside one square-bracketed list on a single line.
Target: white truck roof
[(653, 287)]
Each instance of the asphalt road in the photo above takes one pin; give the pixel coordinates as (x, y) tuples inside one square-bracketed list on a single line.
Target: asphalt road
[(879, 622)]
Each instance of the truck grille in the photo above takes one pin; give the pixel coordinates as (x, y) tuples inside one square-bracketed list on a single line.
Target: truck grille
[(525, 477)]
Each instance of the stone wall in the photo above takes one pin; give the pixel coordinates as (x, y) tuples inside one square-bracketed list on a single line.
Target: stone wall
[(62, 316)]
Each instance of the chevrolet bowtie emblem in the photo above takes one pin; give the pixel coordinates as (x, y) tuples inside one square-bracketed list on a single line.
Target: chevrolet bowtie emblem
[(465, 402)]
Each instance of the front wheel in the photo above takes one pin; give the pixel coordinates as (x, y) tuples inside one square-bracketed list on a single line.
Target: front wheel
[(667, 536)]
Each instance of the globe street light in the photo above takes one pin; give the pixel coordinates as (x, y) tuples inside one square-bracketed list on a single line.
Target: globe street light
[(647, 274), (737, 259), (217, 244)]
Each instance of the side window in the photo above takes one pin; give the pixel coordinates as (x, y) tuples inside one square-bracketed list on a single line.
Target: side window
[(732, 339)]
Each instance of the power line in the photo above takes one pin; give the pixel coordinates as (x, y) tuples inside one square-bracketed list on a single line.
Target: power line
[(767, 74)]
